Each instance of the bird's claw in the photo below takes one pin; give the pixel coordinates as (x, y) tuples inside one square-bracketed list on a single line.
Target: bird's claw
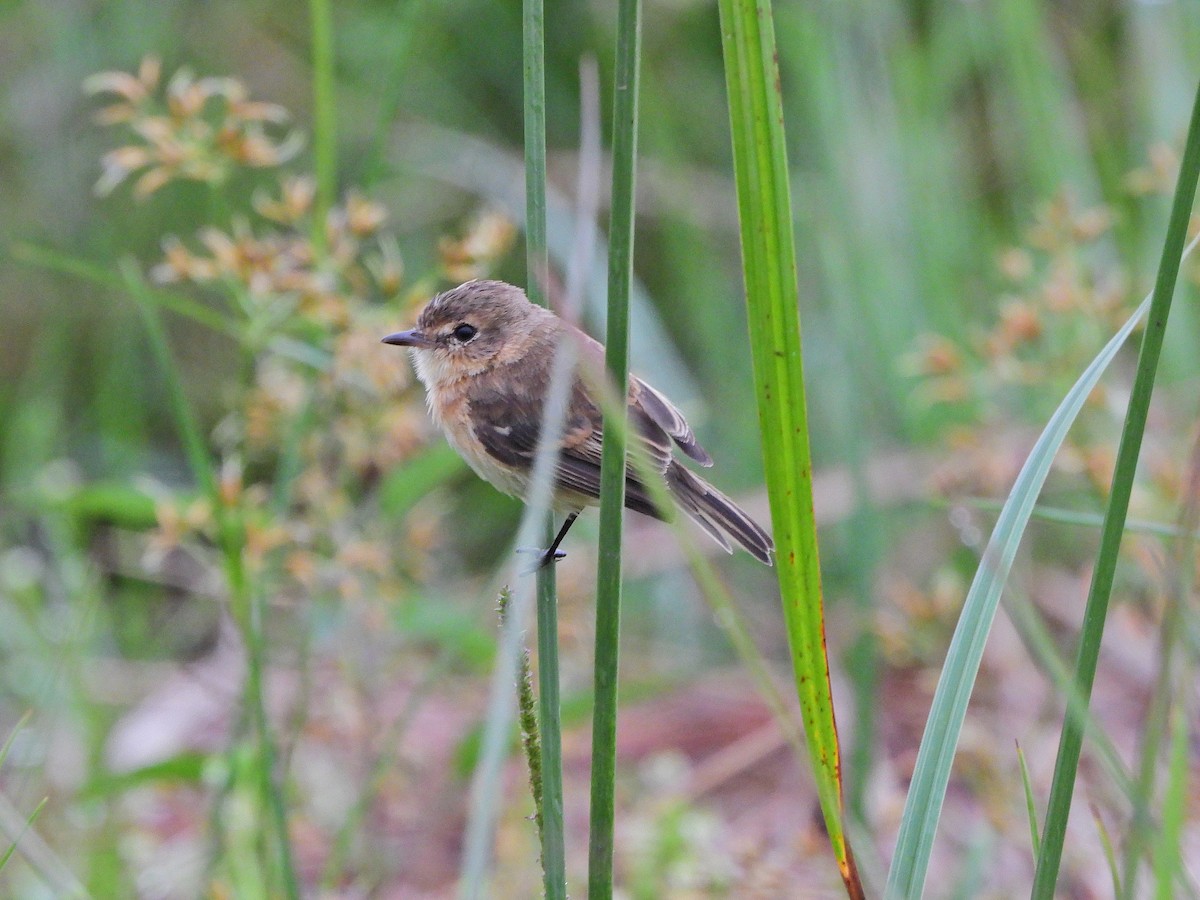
[(544, 557)]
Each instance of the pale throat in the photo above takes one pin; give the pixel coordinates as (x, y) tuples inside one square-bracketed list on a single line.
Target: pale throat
[(431, 368)]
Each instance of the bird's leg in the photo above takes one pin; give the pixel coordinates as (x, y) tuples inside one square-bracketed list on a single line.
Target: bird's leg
[(552, 553)]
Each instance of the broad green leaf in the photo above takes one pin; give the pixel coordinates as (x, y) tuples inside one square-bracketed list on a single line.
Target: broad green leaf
[(772, 299)]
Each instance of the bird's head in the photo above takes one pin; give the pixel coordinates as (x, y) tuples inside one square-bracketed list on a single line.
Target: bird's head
[(468, 329)]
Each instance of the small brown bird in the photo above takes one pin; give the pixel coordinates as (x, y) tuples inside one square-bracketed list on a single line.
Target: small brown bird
[(485, 352)]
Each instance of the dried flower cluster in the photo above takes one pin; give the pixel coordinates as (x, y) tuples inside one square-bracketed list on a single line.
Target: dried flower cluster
[(1064, 299), (1058, 302), (1062, 303), (197, 129), (325, 413)]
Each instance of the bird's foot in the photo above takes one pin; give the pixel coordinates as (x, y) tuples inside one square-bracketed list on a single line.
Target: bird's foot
[(542, 558)]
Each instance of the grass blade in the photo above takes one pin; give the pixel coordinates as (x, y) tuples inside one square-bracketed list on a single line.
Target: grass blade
[(923, 806), (324, 118), (1110, 853), (16, 838), (1030, 806), (554, 875), (12, 735), (772, 298), (195, 449), (56, 261), (245, 603), (613, 462), (487, 780), (1167, 857), (1094, 616)]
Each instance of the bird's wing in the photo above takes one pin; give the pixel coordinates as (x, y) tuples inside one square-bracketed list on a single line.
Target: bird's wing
[(507, 423), (579, 461), (667, 417), (660, 411)]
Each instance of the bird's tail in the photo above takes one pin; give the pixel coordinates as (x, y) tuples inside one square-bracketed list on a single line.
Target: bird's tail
[(717, 514)]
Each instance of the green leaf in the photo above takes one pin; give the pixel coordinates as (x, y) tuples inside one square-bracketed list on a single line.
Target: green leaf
[(7, 854), (931, 774), (1062, 788), (1030, 806), (114, 502), (772, 299), (183, 768), (1168, 862), (1110, 853)]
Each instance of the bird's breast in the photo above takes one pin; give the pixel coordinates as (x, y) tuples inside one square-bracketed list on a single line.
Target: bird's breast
[(451, 409)]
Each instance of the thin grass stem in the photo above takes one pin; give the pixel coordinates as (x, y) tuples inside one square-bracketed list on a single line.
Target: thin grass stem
[(245, 607), (324, 118), (613, 457), (550, 812), (1168, 860), (554, 875), (1030, 806), (931, 774), (1071, 740), (1172, 631)]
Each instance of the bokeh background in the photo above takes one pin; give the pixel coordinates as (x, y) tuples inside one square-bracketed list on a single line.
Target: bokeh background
[(980, 193)]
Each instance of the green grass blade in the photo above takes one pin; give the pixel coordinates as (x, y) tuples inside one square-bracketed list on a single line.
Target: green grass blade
[(613, 462), (390, 86), (39, 855), (195, 449), (1079, 518), (56, 261), (1110, 852), (715, 593), (1055, 668), (495, 740), (923, 806), (12, 847), (1168, 861), (324, 118), (12, 735), (1139, 833), (554, 866), (1030, 806), (772, 298), (245, 603), (1094, 616), (554, 877), (536, 525)]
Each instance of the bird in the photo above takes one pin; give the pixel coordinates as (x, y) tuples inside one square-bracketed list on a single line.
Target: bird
[(485, 352)]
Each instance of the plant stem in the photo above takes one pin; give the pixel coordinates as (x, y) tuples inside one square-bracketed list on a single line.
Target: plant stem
[(324, 119), (554, 877), (1071, 741), (554, 869), (613, 462), (231, 538), (772, 300)]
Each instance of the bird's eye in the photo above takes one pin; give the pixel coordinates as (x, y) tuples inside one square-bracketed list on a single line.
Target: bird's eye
[(465, 332)]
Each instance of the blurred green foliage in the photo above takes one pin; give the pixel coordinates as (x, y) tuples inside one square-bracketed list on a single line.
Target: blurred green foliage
[(925, 137)]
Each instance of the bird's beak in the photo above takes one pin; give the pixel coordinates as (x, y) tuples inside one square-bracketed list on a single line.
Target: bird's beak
[(413, 338)]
